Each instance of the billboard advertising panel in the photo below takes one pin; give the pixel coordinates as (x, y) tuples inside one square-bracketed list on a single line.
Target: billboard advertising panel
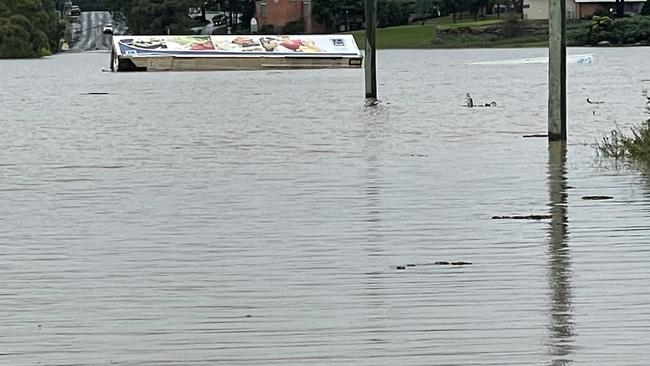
[(237, 46)]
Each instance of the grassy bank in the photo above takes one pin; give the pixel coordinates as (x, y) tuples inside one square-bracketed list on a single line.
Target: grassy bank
[(408, 36), (425, 36), (444, 33)]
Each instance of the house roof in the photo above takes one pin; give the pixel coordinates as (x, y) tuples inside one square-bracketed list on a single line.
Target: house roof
[(608, 1)]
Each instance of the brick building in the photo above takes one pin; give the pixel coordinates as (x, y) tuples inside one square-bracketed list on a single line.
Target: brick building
[(277, 13), (579, 9)]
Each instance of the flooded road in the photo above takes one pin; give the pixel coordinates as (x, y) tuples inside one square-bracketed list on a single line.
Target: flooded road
[(88, 31), (269, 218)]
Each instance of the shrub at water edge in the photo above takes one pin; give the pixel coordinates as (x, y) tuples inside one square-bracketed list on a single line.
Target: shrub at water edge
[(633, 148)]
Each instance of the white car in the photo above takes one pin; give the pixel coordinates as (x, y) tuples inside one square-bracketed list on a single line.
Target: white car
[(75, 11), (107, 28)]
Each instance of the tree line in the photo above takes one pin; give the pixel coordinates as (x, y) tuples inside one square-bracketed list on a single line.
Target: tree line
[(171, 16), (336, 14), (29, 28)]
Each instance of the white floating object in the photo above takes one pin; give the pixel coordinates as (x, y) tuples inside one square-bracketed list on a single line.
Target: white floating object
[(570, 59)]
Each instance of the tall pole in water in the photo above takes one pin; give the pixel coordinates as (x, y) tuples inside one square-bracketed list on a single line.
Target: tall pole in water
[(557, 70), (370, 60)]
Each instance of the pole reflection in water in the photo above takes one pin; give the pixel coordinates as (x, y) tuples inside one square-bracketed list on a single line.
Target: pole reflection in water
[(559, 271), (374, 134), (376, 287)]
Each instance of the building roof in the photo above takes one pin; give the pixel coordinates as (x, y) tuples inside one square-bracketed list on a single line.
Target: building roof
[(608, 1)]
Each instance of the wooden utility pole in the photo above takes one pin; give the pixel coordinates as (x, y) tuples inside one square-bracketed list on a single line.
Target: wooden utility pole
[(557, 70), (370, 59)]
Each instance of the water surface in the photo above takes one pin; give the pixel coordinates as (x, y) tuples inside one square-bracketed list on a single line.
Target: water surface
[(260, 218)]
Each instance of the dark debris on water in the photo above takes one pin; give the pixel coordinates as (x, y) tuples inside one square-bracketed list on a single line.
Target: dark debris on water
[(438, 263), (597, 197), (522, 217)]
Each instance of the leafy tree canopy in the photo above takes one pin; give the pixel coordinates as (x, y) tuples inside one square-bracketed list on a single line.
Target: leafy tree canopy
[(163, 16), (28, 28)]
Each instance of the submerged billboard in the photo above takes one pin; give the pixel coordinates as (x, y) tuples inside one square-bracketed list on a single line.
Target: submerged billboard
[(236, 46)]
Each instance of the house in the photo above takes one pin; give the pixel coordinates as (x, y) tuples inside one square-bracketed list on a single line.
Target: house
[(538, 9), (577, 9), (275, 14), (586, 9)]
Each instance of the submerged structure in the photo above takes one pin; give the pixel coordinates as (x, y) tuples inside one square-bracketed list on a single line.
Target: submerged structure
[(204, 52)]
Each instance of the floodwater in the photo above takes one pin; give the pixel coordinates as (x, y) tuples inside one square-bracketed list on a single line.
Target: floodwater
[(264, 218)]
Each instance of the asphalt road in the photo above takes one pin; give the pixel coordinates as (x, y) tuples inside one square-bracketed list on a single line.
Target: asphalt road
[(87, 31)]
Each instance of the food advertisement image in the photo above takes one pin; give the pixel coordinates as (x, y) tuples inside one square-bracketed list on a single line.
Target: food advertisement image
[(171, 43), (282, 44), (205, 45)]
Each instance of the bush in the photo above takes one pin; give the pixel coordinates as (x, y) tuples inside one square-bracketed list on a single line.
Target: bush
[(267, 29), (620, 31), (634, 148), (391, 13), (601, 12), (578, 36), (14, 41), (646, 8), (20, 39), (297, 27), (512, 25), (600, 29)]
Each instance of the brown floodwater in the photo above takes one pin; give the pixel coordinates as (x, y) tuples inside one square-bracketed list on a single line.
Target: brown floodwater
[(270, 218)]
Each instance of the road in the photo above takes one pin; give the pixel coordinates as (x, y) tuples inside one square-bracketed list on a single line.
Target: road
[(87, 31)]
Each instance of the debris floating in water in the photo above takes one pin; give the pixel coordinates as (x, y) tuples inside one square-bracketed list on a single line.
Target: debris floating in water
[(455, 263), (593, 102), (587, 59), (522, 217), (536, 135), (469, 102), (597, 198), (438, 263)]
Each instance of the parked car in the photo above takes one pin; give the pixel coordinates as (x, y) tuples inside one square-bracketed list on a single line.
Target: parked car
[(196, 14), (107, 28), (75, 11), (219, 19)]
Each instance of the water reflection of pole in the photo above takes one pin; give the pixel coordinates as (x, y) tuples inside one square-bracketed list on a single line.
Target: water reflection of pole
[(377, 303), (561, 329)]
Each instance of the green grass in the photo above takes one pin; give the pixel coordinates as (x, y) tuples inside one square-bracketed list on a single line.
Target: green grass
[(418, 35), (424, 36), (488, 41), (408, 36), (480, 23)]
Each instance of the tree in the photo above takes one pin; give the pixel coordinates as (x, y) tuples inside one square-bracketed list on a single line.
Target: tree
[(332, 12), (391, 13), (159, 16), (424, 9), (620, 8), (646, 8), (452, 7), (28, 28), (511, 25)]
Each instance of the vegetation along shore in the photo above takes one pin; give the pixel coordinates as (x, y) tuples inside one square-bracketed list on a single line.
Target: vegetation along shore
[(511, 31), (30, 28), (35, 28)]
